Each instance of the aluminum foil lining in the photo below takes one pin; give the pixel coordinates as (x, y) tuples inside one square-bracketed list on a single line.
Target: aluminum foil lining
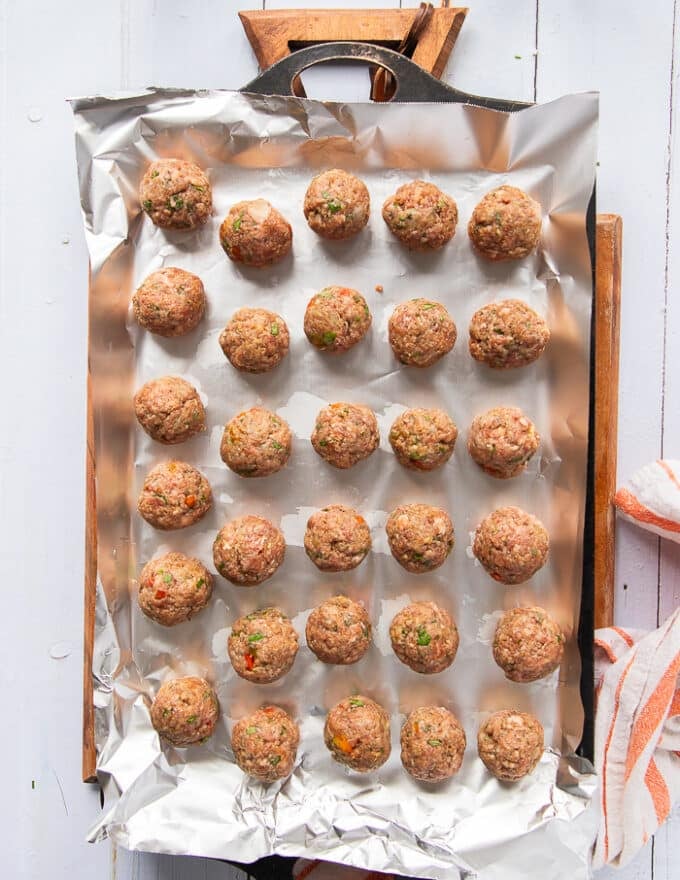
[(196, 800)]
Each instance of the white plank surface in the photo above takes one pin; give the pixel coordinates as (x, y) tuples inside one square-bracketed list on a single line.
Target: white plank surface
[(48, 51)]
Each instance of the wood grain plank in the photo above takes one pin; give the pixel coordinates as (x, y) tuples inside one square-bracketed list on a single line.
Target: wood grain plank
[(571, 58), (607, 312)]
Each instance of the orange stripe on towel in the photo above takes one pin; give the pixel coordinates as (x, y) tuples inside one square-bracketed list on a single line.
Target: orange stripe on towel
[(652, 714), (628, 503), (669, 471), (624, 635), (612, 723), (675, 704), (611, 656), (658, 791)]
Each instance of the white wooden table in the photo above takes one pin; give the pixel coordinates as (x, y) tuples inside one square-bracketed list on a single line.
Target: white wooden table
[(527, 49)]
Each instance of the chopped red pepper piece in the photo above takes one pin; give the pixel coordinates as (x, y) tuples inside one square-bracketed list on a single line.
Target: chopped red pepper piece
[(190, 500), (161, 594), (250, 661)]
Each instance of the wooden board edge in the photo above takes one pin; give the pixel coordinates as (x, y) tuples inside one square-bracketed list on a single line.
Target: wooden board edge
[(269, 31), (89, 758), (609, 235)]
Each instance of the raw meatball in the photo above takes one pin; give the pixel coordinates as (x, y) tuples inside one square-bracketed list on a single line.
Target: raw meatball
[(255, 340), (345, 433), (337, 538), (502, 440), (421, 216), (169, 410), (173, 588), (265, 744), (420, 536), (255, 234), (423, 439), (511, 545), (510, 744), (507, 334), (176, 194), (248, 550), (336, 318), (337, 204), (256, 443), (505, 225), (528, 644), (424, 637), (175, 495), (421, 332), (262, 645), (185, 710), (432, 744), (170, 302), (339, 631), (357, 733)]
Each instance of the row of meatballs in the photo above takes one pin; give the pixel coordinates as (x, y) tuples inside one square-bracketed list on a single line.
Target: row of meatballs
[(528, 644), (258, 443), (356, 732), (511, 544), (504, 334), (505, 225)]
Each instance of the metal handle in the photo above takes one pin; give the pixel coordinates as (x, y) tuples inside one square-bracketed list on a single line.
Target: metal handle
[(412, 82)]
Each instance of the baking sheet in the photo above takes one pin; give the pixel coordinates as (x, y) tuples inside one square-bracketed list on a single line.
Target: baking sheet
[(196, 800)]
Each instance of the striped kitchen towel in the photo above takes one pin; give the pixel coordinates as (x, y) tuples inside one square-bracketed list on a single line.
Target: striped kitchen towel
[(651, 498), (637, 735)]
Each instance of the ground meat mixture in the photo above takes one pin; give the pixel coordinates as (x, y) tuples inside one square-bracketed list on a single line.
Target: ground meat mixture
[(337, 204), (421, 332), (176, 194), (511, 545), (255, 234), (255, 340), (505, 225), (175, 495), (510, 744), (502, 440), (345, 433), (256, 443), (337, 538), (170, 302), (248, 550), (185, 711), (336, 318), (432, 744), (423, 439), (265, 744), (169, 409), (528, 644), (424, 637), (357, 733), (339, 631), (173, 588), (507, 334), (420, 536), (262, 645), (421, 216)]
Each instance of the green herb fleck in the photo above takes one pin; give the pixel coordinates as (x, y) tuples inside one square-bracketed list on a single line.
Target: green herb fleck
[(192, 719), (274, 329), (175, 203), (251, 729), (426, 306), (255, 637), (199, 188), (199, 583), (355, 702), (334, 206), (329, 337), (434, 742), (147, 205), (276, 445), (423, 636), (155, 173), (323, 442), (167, 578), (274, 759), (236, 225), (166, 712)]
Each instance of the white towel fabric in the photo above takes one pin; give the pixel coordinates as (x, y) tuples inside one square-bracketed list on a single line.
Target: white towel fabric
[(637, 735)]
